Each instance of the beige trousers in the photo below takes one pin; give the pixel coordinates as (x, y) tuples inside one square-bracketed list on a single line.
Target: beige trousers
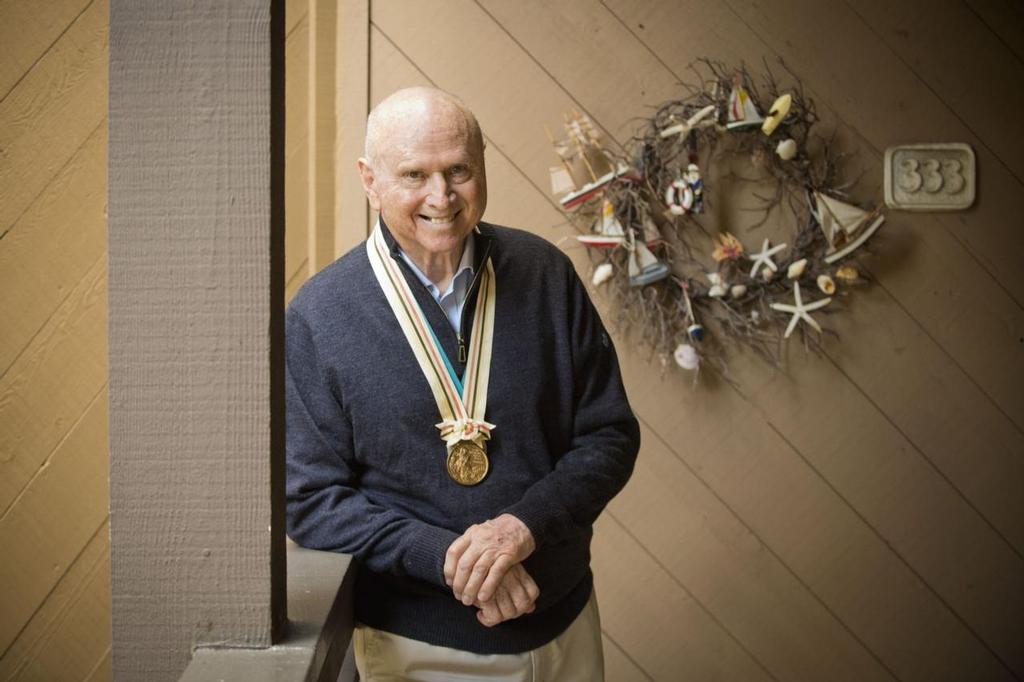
[(574, 656)]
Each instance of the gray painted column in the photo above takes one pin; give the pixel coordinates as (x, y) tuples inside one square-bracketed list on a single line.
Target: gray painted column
[(196, 335)]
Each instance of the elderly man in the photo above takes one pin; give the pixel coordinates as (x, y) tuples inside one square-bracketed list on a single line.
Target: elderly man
[(456, 420)]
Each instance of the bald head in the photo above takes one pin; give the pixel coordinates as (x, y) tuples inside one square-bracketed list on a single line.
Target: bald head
[(406, 111), (424, 172)]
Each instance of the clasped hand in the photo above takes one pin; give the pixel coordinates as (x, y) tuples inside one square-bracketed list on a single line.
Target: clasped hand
[(483, 568)]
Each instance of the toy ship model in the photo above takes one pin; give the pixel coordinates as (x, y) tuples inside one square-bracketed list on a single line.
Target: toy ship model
[(644, 267), (608, 233), (586, 169), (742, 114), (846, 227)]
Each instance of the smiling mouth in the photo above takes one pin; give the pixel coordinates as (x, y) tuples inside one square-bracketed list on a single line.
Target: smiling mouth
[(440, 220)]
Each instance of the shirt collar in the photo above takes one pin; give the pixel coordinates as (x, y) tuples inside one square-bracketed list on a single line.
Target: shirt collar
[(484, 243), (465, 266)]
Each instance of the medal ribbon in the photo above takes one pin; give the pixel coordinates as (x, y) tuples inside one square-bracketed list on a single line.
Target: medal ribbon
[(462, 412)]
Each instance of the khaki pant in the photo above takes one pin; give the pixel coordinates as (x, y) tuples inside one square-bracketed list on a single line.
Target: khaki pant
[(574, 656)]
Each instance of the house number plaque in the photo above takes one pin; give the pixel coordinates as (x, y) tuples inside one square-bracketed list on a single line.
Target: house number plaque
[(929, 177)]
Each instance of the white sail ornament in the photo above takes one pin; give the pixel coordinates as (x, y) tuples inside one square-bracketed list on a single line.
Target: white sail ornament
[(652, 237), (607, 232), (846, 227), (742, 113), (644, 267)]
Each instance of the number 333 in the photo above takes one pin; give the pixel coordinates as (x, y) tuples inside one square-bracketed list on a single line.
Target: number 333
[(931, 175)]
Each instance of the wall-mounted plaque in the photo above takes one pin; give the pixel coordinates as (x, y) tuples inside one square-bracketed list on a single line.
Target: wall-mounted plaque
[(930, 177)]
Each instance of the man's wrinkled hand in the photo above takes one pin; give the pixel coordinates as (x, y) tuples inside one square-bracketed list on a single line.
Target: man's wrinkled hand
[(478, 560), (515, 596)]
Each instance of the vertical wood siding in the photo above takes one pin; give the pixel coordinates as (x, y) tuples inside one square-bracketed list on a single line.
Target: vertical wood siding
[(858, 517), (296, 178)]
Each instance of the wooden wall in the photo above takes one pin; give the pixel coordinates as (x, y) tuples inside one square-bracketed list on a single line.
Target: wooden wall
[(858, 517), (55, 574), (297, 172)]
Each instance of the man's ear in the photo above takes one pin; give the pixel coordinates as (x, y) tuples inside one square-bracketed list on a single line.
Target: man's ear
[(369, 183)]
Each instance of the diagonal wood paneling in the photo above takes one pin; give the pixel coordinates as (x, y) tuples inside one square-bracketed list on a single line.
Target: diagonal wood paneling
[(618, 665), (54, 600), (852, 537), (49, 538), (788, 630), (694, 533), (52, 245), (51, 111), (953, 54), (920, 363), (69, 632), (799, 518), (923, 263), (640, 602), (296, 149), (28, 31), (944, 289), (1005, 20), (47, 389)]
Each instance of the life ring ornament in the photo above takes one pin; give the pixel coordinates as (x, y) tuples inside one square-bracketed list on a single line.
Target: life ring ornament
[(679, 197)]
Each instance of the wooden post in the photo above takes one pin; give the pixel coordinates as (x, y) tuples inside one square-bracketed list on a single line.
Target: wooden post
[(196, 234)]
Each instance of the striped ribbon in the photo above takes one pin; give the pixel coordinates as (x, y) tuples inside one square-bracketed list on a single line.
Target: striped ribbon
[(461, 413)]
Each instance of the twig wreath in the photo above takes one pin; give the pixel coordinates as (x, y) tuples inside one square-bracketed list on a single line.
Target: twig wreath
[(639, 214)]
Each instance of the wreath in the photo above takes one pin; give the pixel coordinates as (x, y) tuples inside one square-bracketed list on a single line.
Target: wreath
[(643, 216)]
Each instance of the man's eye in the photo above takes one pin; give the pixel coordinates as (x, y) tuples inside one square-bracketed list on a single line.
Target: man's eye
[(459, 172)]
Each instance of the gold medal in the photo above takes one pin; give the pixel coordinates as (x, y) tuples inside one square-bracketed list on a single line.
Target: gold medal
[(467, 463)]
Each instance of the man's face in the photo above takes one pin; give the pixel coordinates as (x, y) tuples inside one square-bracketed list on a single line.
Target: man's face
[(428, 182)]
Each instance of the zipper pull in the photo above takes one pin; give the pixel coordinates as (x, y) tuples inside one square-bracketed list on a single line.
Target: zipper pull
[(462, 350)]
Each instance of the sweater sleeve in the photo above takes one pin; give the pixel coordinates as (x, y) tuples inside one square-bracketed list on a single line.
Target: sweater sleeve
[(326, 510), (605, 435)]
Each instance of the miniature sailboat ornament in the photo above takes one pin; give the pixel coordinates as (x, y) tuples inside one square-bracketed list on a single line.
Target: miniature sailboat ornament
[(742, 112), (591, 189), (846, 227), (644, 267), (607, 230), (652, 237), (582, 157)]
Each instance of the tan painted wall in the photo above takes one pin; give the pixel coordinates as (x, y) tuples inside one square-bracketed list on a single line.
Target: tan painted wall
[(860, 517), (296, 146), (54, 579)]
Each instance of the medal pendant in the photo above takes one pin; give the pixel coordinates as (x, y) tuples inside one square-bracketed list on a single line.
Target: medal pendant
[(468, 463)]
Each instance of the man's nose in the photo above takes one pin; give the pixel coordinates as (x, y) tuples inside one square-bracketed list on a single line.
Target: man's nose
[(438, 190)]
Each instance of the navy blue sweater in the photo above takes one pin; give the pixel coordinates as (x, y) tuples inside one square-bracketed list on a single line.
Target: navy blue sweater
[(366, 465)]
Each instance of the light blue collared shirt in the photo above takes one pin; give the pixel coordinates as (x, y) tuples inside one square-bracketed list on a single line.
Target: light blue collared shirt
[(454, 298)]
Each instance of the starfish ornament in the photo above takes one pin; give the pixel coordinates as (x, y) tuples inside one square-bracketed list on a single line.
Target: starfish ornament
[(765, 258), (799, 310), (683, 129)]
